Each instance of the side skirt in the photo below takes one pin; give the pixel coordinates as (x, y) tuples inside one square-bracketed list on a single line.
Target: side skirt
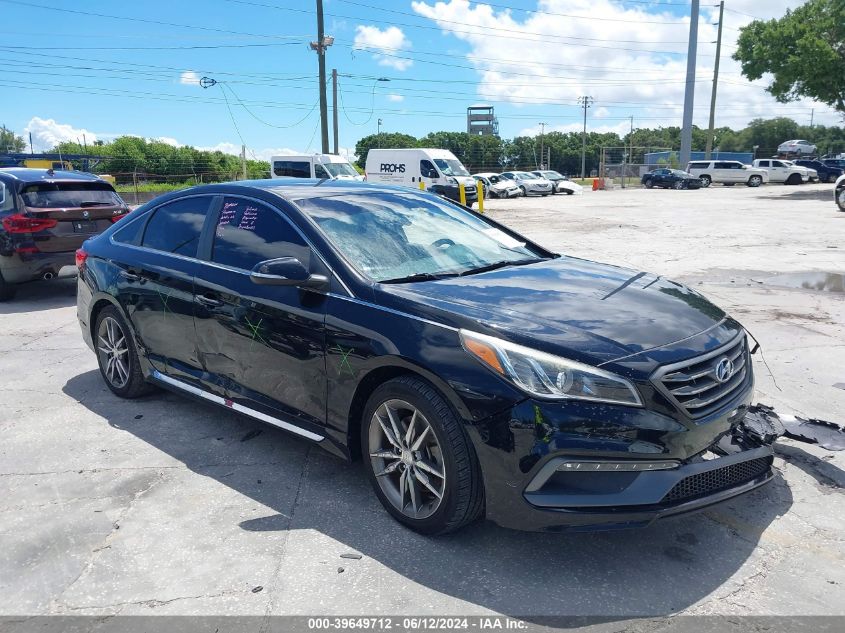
[(234, 406)]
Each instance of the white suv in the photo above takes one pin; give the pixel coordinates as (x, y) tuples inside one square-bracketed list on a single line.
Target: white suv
[(727, 172), (786, 171)]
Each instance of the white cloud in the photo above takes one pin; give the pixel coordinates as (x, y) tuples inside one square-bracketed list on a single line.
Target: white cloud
[(633, 61), (386, 45), (169, 140), (395, 97), (190, 78), (47, 133)]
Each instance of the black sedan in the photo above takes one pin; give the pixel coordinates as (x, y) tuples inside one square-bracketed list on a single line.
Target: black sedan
[(475, 372), (670, 179)]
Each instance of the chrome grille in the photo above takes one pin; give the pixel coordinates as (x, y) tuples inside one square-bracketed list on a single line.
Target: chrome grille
[(692, 385)]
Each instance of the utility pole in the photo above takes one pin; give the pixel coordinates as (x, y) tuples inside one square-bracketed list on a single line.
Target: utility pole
[(378, 133), (812, 114), (320, 46), (689, 93), (585, 103), (243, 160), (711, 126), (334, 106), (542, 152), (31, 151)]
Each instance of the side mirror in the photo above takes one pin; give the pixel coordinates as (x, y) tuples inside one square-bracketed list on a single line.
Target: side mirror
[(286, 271)]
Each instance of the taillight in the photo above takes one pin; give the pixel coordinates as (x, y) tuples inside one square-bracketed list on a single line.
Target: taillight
[(81, 256), (18, 223), (115, 218)]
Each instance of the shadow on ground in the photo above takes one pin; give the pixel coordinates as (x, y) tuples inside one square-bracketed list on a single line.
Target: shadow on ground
[(656, 571), (36, 296), (825, 195)]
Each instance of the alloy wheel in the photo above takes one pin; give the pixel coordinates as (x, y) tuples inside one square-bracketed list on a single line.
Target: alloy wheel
[(113, 350), (407, 459)]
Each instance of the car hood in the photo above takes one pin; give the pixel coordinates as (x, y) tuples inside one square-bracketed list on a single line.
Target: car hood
[(585, 310)]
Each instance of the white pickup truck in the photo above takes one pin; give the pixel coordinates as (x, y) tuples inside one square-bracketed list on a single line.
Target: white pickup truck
[(786, 171)]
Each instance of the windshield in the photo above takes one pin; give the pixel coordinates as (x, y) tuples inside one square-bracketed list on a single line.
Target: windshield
[(396, 235), (526, 176), (340, 169), (552, 175), (451, 167), (678, 172), (55, 195)]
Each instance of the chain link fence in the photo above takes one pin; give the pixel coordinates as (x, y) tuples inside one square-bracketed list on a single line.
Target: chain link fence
[(625, 166)]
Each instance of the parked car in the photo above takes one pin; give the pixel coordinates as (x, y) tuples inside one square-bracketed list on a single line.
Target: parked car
[(727, 172), (839, 192), (785, 171), (834, 162), (475, 372), (561, 183), (826, 172), (496, 187), (529, 183), (670, 178), (804, 148), (45, 216)]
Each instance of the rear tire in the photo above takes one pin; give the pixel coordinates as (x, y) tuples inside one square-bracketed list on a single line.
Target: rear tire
[(7, 290), (840, 198), (408, 407), (117, 355)]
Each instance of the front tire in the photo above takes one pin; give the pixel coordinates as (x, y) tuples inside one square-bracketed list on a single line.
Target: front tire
[(755, 181), (840, 198), (419, 458), (648, 183), (524, 191), (705, 181), (7, 290), (794, 179), (117, 355)]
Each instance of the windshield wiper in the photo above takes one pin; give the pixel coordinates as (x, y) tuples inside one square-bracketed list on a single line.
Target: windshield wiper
[(500, 264), (94, 203), (418, 277)]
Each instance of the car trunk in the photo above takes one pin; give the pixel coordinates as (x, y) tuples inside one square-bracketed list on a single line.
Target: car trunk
[(80, 210)]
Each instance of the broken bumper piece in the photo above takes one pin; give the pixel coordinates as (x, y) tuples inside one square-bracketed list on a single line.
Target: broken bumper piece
[(573, 494)]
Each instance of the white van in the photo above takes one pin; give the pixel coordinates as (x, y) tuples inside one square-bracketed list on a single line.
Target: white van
[(327, 166), (438, 169)]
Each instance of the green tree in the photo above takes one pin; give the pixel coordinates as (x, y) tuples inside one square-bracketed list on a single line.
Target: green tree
[(11, 142), (385, 139), (804, 51)]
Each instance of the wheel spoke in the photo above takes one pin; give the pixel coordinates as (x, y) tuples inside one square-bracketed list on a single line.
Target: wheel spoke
[(394, 422), (420, 439), (120, 342), (121, 369), (104, 350), (105, 342), (409, 434), (424, 480), (388, 433), (383, 454), (424, 465), (391, 468), (412, 488), (403, 488)]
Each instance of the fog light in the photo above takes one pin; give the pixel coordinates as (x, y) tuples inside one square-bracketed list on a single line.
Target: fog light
[(617, 466)]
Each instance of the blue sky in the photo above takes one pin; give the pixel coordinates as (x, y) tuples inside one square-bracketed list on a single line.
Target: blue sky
[(70, 69)]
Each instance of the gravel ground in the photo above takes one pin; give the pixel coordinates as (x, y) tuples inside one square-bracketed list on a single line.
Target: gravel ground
[(166, 506)]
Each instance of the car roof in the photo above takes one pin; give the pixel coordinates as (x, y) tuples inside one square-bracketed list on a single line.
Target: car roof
[(299, 188), (28, 174)]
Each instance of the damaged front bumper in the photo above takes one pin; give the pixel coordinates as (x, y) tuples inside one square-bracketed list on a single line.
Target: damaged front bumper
[(579, 492)]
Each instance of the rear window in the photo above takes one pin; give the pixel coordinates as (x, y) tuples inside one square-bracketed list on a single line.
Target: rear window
[(57, 195)]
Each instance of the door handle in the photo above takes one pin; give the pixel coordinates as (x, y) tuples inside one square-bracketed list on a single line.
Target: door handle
[(209, 302), (129, 276)]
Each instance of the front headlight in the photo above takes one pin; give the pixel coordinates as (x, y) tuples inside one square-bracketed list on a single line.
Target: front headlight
[(546, 376), (451, 180)]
